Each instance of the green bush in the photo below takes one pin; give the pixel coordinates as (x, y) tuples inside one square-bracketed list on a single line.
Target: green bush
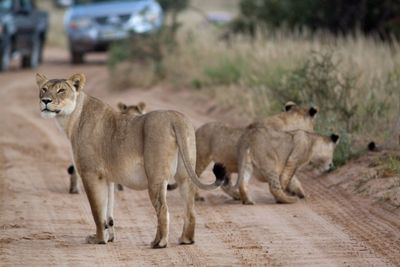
[(337, 16), (225, 72)]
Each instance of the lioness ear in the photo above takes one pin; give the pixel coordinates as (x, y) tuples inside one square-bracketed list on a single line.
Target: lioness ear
[(41, 79), (122, 106), (140, 107), (78, 80), (312, 111), (335, 138), (289, 105)]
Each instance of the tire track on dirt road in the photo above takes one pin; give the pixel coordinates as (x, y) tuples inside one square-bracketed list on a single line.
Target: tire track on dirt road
[(41, 224), (380, 236)]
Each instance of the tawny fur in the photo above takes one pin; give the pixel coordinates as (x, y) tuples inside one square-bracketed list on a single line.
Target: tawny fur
[(218, 142), (275, 156), (140, 152), (132, 110)]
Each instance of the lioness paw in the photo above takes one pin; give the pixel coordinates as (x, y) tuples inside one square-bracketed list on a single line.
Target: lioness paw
[(159, 244), (248, 202), (185, 241), (92, 239)]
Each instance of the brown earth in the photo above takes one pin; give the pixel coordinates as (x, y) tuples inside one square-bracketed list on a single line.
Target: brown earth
[(41, 224)]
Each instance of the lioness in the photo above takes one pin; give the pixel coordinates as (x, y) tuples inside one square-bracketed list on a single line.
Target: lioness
[(140, 152), (274, 157), (218, 142), (133, 110)]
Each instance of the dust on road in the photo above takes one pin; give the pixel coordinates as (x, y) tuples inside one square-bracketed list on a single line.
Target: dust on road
[(41, 224)]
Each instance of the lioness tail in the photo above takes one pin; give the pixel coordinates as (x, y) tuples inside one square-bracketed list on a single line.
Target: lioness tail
[(183, 150)]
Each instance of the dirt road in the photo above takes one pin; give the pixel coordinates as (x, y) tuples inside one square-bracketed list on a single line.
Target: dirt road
[(41, 224)]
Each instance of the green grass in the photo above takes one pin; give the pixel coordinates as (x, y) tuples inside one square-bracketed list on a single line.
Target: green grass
[(354, 80)]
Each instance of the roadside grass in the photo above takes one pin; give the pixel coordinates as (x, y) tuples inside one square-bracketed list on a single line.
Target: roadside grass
[(56, 34), (354, 80)]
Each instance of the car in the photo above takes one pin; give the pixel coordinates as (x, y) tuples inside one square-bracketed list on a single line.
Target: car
[(23, 30), (92, 25), (62, 3)]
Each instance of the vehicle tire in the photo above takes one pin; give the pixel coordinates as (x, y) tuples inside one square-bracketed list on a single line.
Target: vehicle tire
[(41, 51), (77, 57), (32, 60), (5, 53)]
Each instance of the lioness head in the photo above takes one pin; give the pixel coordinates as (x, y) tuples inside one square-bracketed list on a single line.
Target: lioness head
[(138, 109), (298, 117), (322, 155), (58, 96)]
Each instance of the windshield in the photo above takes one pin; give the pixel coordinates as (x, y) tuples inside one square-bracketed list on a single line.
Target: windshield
[(81, 2), (5, 4)]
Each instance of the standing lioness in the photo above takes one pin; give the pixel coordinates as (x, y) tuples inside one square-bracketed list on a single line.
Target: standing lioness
[(140, 152)]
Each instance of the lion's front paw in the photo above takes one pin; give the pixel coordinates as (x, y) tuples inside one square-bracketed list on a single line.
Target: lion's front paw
[(159, 244), (74, 190), (92, 239), (248, 202)]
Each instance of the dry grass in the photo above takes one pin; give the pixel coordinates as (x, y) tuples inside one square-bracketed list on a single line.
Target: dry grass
[(56, 34), (362, 75)]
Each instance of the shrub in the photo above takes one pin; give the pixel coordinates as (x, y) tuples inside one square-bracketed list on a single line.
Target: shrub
[(337, 16)]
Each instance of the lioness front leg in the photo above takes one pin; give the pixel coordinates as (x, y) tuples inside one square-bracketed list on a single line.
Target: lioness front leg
[(110, 212), (157, 193), (73, 185), (97, 191)]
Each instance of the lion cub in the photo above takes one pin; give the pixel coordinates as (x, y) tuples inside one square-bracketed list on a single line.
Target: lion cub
[(274, 157), (218, 142), (133, 110)]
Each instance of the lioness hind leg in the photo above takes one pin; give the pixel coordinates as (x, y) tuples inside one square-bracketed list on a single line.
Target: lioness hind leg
[(276, 189), (203, 159), (110, 212), (157, 193), (229, 189), (296, 188), (96, 190), (245, 172), (187, 190)]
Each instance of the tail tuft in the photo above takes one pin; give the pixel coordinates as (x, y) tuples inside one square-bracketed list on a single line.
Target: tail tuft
[(372, 146), (71, 170), (171, 187), (219, 171)]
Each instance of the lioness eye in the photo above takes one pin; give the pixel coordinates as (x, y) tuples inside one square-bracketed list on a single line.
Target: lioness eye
[(60, 91), (44, 90)]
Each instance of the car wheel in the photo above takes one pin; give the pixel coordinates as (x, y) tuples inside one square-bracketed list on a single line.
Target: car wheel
[(77, 57), (5, 53), (32, 60), (41, 52)]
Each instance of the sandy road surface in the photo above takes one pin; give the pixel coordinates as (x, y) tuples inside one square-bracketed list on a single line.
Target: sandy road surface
[(41, 224)]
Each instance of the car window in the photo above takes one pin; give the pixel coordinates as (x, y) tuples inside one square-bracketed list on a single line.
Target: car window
[(26, 4), (6, 4), (80, 2)]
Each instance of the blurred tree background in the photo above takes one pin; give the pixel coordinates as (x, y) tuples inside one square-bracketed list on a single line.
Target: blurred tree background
[(381, 17)]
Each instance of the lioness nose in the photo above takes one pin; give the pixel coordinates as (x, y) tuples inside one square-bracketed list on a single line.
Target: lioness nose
[(46, 100)]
